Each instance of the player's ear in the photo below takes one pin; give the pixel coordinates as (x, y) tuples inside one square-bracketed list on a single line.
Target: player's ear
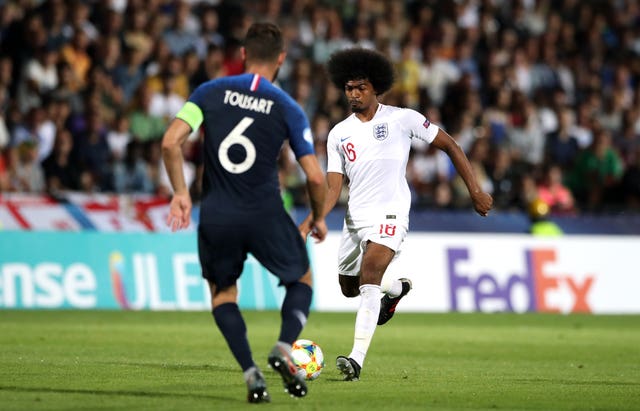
[(243, 53), (281, 57)]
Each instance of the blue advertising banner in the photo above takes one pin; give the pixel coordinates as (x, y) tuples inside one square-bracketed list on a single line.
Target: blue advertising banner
[(138, 271)]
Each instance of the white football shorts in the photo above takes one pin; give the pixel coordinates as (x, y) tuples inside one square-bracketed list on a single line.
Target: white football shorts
[(390, 231)]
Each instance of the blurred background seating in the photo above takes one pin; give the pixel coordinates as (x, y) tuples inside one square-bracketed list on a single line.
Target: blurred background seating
[(542, 95)]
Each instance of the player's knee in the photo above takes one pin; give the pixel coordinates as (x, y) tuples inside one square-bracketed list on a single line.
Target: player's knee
[(349, 290), (349, 293), (307, 279), (221, 296), (222, 299), (350, 285)]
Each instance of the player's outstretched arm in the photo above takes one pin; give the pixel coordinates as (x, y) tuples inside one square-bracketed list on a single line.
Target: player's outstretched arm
[(180, 209), (317, 187), (482, 202), (334, 187)]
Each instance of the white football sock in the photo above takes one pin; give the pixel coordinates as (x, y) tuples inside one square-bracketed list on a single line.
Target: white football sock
[(366, 321), (392, 288)]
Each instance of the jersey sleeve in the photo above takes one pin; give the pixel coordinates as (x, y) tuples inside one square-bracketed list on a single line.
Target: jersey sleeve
[(300, 136), (334, 158), (419, 126)]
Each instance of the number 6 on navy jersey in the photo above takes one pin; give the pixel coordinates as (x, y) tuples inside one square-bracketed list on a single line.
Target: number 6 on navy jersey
[(236, 137)]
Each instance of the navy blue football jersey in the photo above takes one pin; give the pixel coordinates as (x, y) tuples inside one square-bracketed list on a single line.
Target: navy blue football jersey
[(246, 120)]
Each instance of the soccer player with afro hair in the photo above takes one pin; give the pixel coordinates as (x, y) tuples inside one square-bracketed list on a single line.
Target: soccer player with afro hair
[(370, 150), (361, 64)]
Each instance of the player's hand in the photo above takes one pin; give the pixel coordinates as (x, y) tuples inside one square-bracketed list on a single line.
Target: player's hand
[(319, 230), (482, 202), (305, 228), (179, 211)]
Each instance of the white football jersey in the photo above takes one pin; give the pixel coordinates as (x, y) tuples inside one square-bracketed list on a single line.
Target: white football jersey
[(373, 156)]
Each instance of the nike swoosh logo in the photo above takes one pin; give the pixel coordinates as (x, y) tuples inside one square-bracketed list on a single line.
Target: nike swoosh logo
[(344, 138)]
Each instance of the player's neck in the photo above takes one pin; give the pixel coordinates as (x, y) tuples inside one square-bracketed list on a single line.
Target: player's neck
[(267, 71), (368, 114)]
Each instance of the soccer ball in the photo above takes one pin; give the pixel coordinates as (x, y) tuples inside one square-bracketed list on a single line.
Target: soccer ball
[(308, 357)]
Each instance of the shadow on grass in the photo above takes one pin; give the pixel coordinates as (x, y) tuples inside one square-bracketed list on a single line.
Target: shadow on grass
[(114, 393), (170, 366)]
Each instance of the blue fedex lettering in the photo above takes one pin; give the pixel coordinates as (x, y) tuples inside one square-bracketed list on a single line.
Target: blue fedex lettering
[(485, 288)]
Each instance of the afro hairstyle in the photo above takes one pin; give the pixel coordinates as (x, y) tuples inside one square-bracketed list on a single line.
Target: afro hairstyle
[(361, 64)]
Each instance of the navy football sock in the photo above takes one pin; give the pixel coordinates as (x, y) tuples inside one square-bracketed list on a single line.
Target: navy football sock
[(234, 330), (295, 310)]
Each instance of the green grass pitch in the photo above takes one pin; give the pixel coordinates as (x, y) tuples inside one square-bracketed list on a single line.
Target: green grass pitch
[(114, 360)]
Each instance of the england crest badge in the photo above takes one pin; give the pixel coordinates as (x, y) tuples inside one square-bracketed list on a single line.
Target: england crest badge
[(380, 131)]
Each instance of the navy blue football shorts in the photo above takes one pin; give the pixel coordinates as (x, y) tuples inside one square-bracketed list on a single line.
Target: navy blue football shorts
[(274, 241)]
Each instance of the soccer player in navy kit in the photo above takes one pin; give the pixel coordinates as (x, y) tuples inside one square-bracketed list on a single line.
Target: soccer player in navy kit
[(246, 121)]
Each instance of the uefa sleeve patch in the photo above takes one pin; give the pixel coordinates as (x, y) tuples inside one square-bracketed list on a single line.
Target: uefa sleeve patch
[(308, 136), (426, 123)]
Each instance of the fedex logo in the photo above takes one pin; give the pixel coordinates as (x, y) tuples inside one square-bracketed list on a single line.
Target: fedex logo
[(529, 290)]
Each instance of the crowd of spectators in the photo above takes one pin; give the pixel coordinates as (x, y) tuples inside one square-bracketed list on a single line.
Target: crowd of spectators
[(543, 95)]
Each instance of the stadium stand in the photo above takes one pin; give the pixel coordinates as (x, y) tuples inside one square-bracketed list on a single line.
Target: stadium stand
[(542, 95)]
